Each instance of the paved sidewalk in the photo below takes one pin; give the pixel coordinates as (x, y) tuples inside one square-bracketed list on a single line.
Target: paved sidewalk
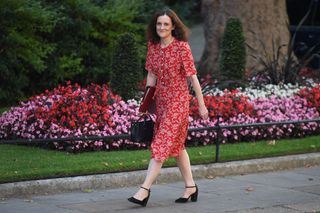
[(296, 190)]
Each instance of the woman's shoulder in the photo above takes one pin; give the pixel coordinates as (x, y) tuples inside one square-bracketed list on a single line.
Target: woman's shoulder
[(182, 44), (152, 44)]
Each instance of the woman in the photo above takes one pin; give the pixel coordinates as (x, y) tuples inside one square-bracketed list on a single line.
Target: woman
[(170, 66)]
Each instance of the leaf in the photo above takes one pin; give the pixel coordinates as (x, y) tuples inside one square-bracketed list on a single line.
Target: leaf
[(88, 190), (249, 189), (271, 142)]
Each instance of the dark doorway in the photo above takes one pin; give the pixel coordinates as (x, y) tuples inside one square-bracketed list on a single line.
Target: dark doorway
[(298, 8), (308, 35)]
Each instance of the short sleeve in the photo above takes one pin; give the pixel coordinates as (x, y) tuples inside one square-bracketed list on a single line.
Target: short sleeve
[(189, 68), (148, 65)]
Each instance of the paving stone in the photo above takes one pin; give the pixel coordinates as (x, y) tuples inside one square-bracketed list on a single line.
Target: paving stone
[(312, 207)]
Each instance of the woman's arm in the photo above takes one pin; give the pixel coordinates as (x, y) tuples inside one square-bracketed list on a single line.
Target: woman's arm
[(151, 79), (197, 89)]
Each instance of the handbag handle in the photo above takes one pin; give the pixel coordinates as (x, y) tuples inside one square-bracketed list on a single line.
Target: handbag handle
[(145, 116)]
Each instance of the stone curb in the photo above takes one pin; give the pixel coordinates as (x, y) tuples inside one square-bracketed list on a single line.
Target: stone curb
[(125, 179)]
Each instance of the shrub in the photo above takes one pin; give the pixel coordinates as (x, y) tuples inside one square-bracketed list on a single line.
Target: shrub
[(279, 68), (126, 67), (232, 59), (84, 36), (23, 49), (47, 42), (188, 10)]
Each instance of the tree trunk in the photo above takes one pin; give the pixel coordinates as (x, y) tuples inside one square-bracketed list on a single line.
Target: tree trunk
[(266, 18)]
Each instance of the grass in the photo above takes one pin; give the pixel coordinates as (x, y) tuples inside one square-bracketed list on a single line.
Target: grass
[(3, 109), (27, 163)]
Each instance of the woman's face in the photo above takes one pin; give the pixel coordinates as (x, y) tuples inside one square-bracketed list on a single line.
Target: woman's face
[(164, 26)]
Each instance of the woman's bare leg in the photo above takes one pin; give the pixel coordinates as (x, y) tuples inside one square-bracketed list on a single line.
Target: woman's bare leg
[(153, 171), (183, 163)]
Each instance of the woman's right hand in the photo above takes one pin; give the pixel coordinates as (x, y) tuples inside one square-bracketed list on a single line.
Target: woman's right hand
[(203, 112)]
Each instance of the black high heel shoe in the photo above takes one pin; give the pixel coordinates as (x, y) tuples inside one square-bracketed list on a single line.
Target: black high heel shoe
[(193, 196), (141, 202)]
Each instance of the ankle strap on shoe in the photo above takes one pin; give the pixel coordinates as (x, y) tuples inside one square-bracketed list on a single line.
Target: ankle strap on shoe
[(191, 186), (145, 188)]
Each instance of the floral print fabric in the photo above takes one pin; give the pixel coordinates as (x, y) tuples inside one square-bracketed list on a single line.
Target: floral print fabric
[(172, 65)]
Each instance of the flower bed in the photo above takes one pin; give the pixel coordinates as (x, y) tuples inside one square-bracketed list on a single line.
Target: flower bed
[(72, 111), (272, 109), (227, 105)]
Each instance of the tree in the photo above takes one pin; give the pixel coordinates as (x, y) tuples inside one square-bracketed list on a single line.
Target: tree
[(232, 59), (265, 20), (23, 50), (44, 43), (126, 67), (84, 37)]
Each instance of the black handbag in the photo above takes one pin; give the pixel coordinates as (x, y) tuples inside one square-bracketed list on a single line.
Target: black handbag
[(142, 131)]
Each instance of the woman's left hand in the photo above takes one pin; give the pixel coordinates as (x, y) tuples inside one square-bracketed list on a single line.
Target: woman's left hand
[(203, 111)]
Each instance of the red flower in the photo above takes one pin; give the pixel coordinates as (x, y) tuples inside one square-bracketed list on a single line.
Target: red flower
[(312, 95), (72, 123), (227, 106), (73, 107)]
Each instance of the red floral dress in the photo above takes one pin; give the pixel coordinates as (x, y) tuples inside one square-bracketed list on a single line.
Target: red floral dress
[(172, 65)]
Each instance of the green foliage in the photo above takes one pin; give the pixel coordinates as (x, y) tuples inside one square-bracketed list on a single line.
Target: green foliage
[(84, 37), (232, 59), (47, 42), (187, 10), (148, 9), (23, 50), (126, 67)]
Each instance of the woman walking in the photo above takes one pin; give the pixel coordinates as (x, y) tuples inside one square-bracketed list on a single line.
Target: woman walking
[(170, 66)]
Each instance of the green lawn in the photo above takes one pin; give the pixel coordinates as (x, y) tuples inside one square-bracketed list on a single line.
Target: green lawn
[(25, 163)]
